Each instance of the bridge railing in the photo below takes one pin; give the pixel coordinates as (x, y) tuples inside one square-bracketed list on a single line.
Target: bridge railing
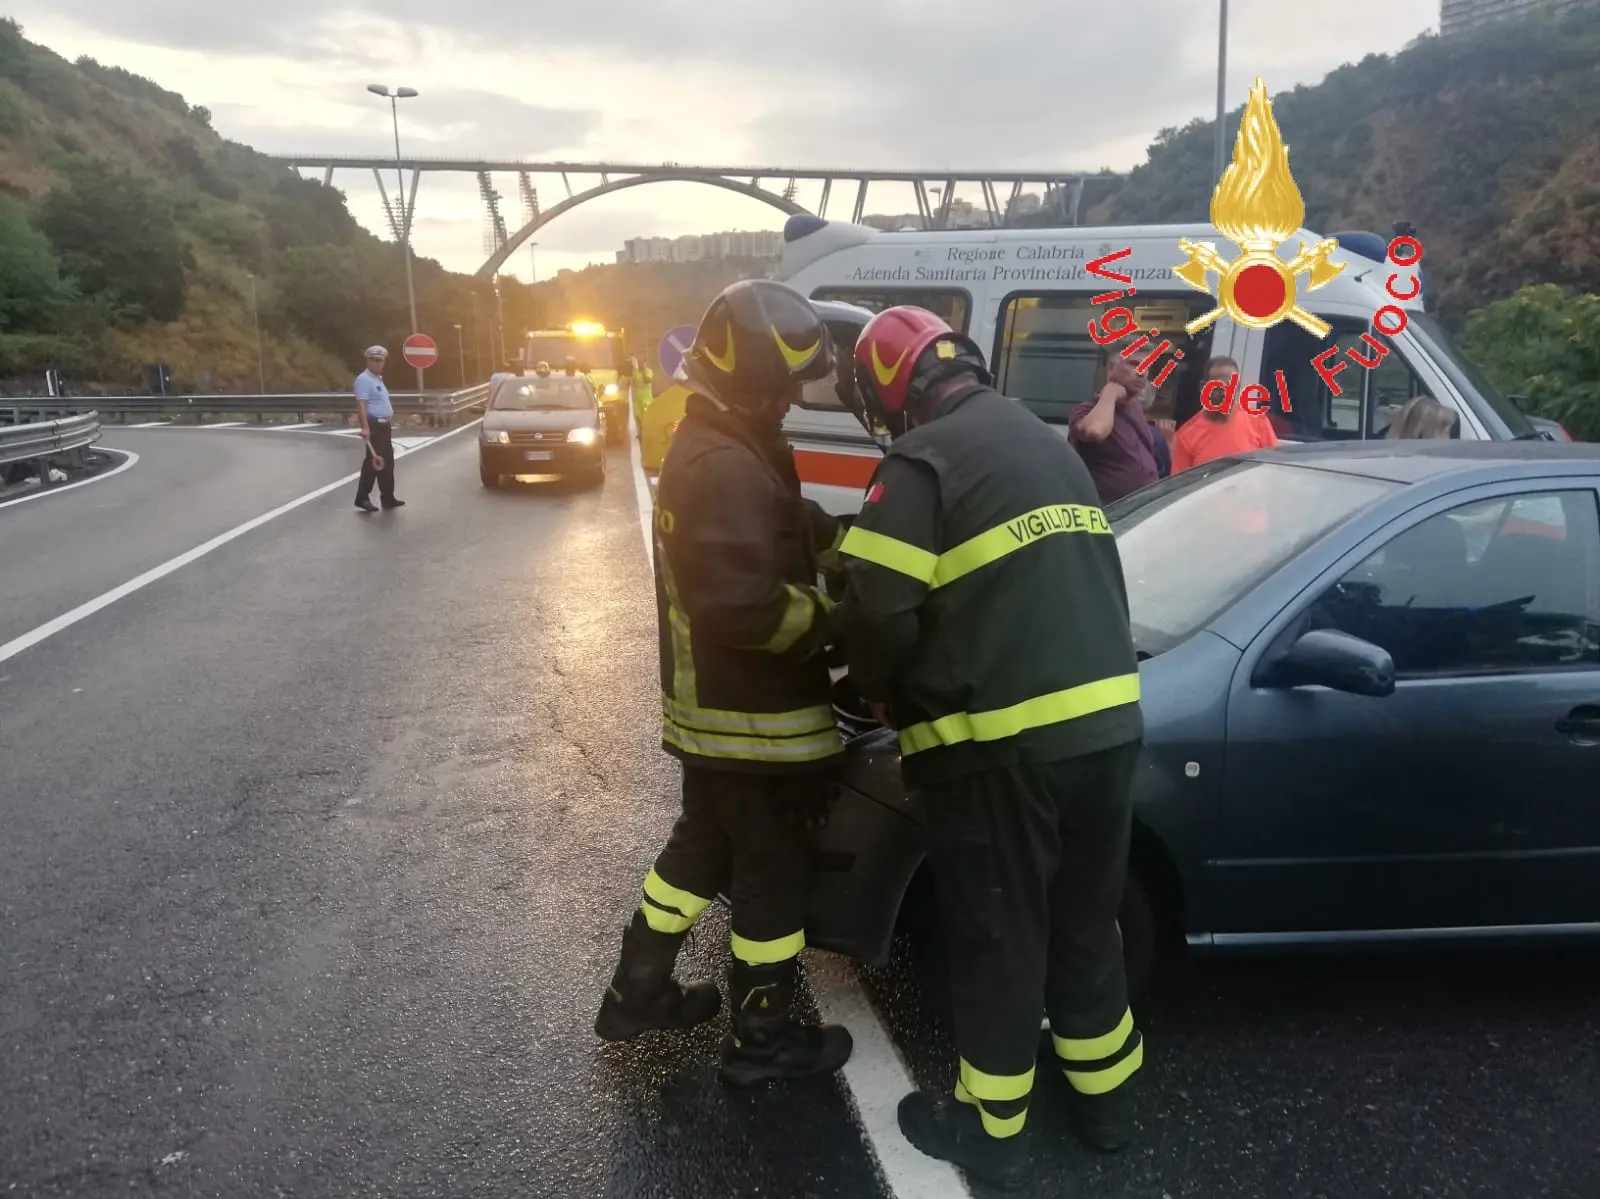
[(440, 407)]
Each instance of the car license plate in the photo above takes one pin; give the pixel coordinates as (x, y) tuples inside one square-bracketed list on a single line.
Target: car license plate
[(539, 455)]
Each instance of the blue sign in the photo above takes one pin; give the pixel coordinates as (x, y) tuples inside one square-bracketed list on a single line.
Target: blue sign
[(674, 347)]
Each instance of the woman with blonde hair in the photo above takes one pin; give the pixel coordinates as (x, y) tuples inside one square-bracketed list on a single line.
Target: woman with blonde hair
[(1423, 417)]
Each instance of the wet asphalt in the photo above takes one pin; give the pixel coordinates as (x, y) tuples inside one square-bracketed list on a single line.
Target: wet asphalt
[(317, 852)]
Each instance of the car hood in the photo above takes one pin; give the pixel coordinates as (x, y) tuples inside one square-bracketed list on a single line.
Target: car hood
[(554, 420)]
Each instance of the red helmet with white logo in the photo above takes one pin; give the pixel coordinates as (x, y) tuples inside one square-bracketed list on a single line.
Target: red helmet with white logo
[(900, 353)]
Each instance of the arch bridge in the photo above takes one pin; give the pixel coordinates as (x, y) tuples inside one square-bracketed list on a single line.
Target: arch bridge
[(934, 190)]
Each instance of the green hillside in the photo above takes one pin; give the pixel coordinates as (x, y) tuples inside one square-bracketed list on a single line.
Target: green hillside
[(1489, 143)]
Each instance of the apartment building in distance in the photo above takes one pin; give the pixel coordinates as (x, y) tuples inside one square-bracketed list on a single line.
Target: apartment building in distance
[(1458, 15), (693, 247)]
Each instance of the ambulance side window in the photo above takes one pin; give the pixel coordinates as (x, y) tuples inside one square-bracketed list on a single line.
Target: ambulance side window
[(1045, 357), (1393, 384), (1316, 414)]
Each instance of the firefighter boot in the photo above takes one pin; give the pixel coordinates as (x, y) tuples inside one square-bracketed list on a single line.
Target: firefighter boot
[(766, 1043), (953, 1132), (643, 994), (1104, 1123)]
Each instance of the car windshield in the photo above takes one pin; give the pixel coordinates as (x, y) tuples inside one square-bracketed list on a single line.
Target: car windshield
[(1194, 544), (1505, 421), (531, 393), (593, 353)]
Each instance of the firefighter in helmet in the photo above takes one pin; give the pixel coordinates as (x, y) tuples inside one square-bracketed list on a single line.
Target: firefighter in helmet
[(985, 616), (745, 693)]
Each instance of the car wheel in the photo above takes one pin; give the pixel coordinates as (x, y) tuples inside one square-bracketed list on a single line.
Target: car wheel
[(1141, 937), (487, 477)]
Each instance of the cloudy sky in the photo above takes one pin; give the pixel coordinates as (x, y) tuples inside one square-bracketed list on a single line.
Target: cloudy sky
[(912, 84)]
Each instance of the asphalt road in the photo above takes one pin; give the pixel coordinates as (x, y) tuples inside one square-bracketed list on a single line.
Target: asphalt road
[(318, 850)]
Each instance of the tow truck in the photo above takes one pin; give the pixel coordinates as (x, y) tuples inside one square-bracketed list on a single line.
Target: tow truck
[(600, 353)]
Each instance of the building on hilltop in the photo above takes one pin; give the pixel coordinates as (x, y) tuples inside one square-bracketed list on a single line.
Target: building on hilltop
[(1458, 15), (694, 247)]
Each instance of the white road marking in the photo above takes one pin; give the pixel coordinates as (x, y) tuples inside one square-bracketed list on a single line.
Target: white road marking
[(227, 424), (129, 458), (150, 424), (83, 611), (287, 428), (407, 444), (875, 1075)]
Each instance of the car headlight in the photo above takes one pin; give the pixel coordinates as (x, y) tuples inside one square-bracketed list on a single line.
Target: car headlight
[(496, 436), (582, 436), (611, 389)]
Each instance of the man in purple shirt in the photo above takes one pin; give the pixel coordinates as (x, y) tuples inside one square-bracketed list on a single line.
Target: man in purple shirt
[(1113, 437)]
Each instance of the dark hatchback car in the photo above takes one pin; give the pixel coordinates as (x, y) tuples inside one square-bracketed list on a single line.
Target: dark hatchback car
[(1371, 678), (542, 425)]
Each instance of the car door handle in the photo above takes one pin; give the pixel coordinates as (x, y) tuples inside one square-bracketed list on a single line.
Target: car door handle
[(1582, 724)]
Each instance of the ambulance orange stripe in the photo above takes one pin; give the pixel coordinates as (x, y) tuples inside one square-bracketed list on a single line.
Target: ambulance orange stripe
[(835, 470)]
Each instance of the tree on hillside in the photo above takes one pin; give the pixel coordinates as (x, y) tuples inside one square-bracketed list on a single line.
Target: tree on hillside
[(32, 292), (1543, 343), (116, 239)]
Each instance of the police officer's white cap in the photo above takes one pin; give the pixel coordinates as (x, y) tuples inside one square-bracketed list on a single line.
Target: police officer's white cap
[(376, 352)]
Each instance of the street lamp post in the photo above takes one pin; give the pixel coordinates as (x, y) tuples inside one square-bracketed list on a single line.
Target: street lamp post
[(261, 357), (1222, 88), (461, 355), (394, 97)]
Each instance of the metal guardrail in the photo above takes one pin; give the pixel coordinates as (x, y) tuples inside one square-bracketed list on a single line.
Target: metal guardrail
[(41, 441), (440, 405)]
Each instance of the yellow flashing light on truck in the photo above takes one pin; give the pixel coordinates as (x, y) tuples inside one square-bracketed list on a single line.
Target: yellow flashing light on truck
[(600, 354)]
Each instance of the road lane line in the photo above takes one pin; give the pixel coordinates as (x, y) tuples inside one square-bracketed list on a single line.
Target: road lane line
[(67, 619), (310, 424), (875, 1076), (128, 459), (150, 424), (227, 424)]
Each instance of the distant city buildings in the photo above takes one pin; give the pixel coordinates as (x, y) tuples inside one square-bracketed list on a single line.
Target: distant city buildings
[(694, 247), (1458, 15)]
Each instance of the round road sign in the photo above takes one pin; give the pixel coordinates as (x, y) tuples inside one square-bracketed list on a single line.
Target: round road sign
[(673, 348), (420, 351)]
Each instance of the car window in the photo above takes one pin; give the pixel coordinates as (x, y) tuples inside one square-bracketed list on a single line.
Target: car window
[(527, 393), (1317, 414), (1507, 584), (1046, 358), (1194, 544)]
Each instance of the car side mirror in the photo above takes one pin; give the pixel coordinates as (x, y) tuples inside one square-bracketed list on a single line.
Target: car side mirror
[(1329, 658)]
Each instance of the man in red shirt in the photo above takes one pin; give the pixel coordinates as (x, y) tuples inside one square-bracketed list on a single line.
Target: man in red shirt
[(1208, 435)]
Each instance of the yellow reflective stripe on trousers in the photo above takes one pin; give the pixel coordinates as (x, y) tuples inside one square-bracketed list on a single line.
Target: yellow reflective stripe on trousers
[(765, 953), (815, 719), (889, 552), (980, 1090), (1012, 536), (664, 893), (810, 747), (798, 616), (1092, 1049), (1108, 1078), (1032, 713)]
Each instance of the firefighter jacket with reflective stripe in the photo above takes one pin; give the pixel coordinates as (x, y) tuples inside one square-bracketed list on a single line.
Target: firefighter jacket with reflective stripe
[(985, 600), (744, 680)]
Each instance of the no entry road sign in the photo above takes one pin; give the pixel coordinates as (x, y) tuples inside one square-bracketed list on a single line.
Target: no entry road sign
[(673, 348), (420, 351)]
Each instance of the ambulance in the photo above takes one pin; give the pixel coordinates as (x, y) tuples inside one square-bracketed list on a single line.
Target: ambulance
[(1024, 296)]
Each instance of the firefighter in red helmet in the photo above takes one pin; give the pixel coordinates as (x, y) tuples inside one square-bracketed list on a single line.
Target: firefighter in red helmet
[(745, 692), (985, 616)]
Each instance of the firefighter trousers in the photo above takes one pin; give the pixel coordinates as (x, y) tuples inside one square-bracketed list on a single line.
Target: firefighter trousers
[(742, 835), (1030, 863)]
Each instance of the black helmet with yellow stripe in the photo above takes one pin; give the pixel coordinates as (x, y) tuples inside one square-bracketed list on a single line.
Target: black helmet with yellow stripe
[(757, 342)]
